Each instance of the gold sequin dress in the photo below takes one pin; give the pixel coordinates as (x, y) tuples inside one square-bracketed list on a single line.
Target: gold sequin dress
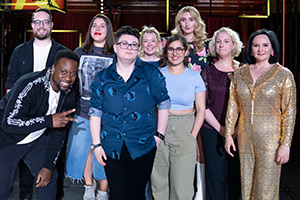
[(266, 112)]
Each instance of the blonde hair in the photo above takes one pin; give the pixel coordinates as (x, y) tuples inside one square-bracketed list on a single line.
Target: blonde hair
[(153, 30), (200, 34), (234, 37)]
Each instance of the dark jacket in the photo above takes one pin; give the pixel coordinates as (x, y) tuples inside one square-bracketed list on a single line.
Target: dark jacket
[(23, 110), (21, 61)]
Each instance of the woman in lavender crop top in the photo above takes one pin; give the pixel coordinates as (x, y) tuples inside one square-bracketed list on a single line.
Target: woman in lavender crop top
[(174, 165), (226, 45)]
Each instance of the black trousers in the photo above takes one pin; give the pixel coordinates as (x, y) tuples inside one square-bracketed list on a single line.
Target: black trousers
[(222, 174), (33, 155), (127, 178), (27, 179)]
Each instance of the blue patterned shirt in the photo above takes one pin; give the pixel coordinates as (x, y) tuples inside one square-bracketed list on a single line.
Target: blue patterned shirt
[(127, 109)]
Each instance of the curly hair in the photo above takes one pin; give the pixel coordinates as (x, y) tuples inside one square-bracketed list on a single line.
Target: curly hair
[(200, 34), (88, 43), (234, 37), (154, 31)]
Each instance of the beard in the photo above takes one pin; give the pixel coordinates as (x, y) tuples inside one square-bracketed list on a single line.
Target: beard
[(44, 36)]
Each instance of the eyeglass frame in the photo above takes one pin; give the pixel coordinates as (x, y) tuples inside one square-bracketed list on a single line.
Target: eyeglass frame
[(39, 22), (127, 45), (178, 50)]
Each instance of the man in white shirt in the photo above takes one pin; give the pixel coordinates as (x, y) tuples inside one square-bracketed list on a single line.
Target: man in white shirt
[(32, 56)]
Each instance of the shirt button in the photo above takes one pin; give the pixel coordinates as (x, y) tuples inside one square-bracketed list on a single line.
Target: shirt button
[(125, 95), (125, 108), (120, 77), (125, 83), (124, 122), (123, 133)]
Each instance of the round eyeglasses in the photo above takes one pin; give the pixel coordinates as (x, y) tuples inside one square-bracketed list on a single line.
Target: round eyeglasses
[(177, 50)]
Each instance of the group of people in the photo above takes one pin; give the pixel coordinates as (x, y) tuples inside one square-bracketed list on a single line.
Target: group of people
[(141, 114)]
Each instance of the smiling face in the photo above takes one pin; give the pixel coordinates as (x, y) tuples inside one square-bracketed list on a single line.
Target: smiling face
[(187, 23), (224, 44), (176, 53), (99, 31), (63, 74), (150, 44), (261, 48), (128, 53), (42, 31)]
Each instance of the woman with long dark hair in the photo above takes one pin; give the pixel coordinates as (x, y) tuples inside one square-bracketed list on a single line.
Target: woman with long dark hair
[(96, 54)]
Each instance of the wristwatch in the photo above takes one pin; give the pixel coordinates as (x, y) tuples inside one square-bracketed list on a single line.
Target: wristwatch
[(94, 146), (159, 135)]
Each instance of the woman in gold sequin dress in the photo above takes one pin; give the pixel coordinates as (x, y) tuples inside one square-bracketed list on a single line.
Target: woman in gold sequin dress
[(263, 100)]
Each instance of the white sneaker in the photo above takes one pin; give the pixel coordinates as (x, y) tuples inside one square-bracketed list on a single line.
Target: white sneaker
[(89, 191), (101, 195)]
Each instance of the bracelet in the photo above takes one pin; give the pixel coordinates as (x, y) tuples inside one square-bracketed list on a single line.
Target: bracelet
[(94, 146), (159, 135)]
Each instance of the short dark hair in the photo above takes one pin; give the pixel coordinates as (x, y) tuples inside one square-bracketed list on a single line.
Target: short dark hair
[(42, 10), (274, 42), (88, 43), (127, 30), (66, 53), (171, 39)]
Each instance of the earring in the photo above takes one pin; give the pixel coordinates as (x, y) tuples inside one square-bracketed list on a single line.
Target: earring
[(272, 54)]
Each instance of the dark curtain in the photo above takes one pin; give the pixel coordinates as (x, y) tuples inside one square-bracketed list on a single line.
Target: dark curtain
[(70, 21)]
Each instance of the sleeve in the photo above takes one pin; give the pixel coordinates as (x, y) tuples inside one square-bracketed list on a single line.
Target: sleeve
[(96, 101), (158, 86), (205, 77), (232, 109), (12, 71), (55, 144), (288, 107), (16, 117), (200, 86), (57, 138)]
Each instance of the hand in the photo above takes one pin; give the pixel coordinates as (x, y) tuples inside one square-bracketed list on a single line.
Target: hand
[(282, 154), (60, 119), (228, 144), (43, 177), (100, 155), (157, 140)]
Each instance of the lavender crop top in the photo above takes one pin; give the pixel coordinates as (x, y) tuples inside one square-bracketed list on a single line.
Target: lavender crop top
[(182, 88)]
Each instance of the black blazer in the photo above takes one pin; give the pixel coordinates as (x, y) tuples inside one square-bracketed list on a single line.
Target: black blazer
[(21, 61)]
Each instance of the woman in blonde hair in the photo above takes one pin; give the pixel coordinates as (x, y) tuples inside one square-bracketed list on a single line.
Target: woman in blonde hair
[(225, 45), (189, 23), (150, 49)]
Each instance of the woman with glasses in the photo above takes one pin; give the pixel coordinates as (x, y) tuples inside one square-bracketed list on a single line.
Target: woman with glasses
[(174, 166), (96, 54), (122, 118), (188, 22), (150, 49)]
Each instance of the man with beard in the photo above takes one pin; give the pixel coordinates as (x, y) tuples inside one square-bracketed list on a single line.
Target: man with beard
[(35, 55), (34, 117), (38, 53)]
